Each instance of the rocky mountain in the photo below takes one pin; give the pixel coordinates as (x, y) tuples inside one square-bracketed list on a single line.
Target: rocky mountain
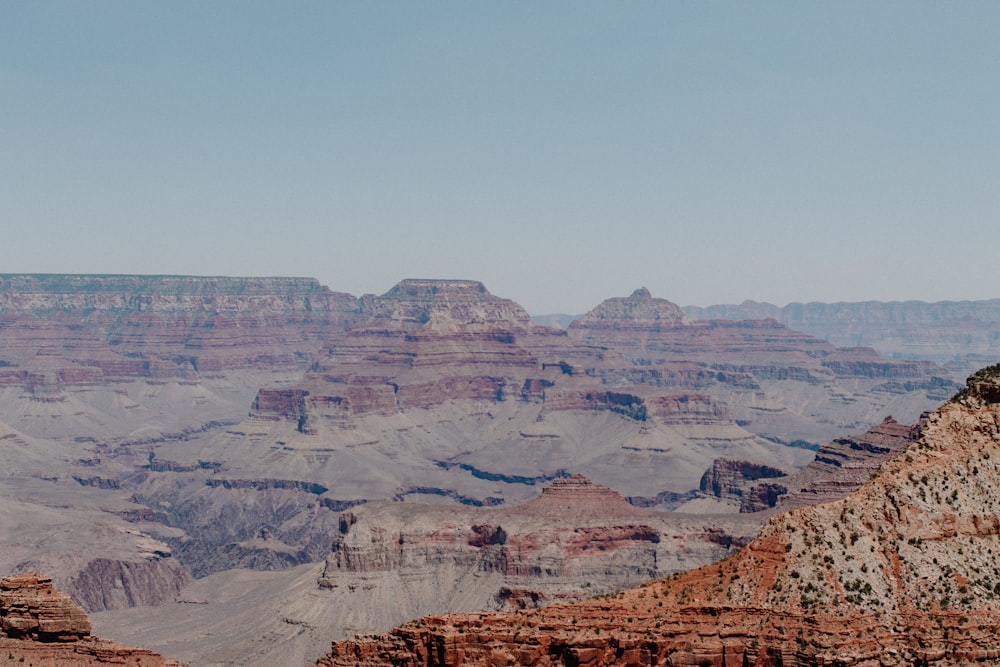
[(960, 334), (40, 625), (902, 571)]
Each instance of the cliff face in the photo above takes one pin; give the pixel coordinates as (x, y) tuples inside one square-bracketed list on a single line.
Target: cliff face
[(903, 571), (840, 467), (93, 329), (33, 609), (39, 625)]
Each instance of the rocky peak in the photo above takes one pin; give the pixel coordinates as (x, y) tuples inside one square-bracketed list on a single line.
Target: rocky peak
[(30, 607), (639, 310), (577, 497)]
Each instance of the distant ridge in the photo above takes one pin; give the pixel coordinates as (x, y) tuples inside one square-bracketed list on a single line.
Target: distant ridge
[(964, 334)]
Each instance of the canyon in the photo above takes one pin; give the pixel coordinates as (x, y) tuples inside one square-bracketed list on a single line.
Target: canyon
[(238, 470), (902, 571)]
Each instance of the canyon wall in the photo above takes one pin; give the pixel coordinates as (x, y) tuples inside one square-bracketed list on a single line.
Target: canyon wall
[(902, 571)]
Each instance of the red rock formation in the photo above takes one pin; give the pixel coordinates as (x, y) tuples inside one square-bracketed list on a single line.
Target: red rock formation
[(41, 626), (33, 609), (903, 571)]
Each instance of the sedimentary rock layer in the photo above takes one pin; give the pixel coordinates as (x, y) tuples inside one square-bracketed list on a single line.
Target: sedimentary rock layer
[(40, 625)]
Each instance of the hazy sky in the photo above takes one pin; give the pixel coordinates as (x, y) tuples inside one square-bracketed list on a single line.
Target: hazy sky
[(561, 152)]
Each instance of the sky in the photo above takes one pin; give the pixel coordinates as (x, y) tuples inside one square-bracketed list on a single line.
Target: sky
[(560, 152)]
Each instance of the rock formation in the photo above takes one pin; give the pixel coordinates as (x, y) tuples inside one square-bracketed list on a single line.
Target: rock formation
[(639, 311), (902, 571), (40, 625), (575, 539), (95, 329)]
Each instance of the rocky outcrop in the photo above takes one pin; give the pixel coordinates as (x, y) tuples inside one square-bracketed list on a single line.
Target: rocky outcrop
[(728, 478), (40, 625), (33, 609), (902, 571), (841, 466)]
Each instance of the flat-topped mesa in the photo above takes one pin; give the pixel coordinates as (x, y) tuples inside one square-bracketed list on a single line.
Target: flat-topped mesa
[(437, 305), (96, 327), (640, 311), (578, 497), (169, 294), (31, 608)]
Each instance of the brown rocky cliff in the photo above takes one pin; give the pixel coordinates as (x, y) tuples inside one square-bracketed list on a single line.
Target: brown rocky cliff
[(903, 571), (41, 626), (727, 478)]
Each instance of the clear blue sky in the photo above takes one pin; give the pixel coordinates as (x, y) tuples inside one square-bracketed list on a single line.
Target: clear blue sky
[(561, 152)]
